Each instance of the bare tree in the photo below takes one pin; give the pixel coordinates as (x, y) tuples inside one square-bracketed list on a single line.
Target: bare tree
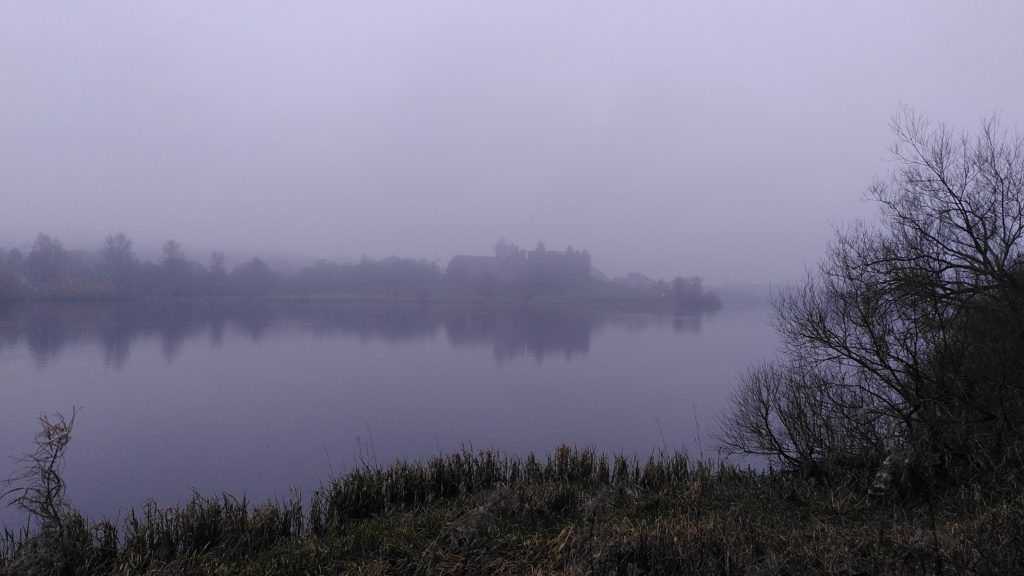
[(38, 488), (46, 264), (910, 331), (178, 274), (11, 284), (172, 254), (119, 260), (217, 263)]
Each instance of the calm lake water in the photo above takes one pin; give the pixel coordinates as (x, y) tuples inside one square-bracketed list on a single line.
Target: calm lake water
[(257, 398)]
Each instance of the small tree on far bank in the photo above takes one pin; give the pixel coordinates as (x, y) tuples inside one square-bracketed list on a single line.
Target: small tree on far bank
[(119, 262), (47, 264), (909, 335)]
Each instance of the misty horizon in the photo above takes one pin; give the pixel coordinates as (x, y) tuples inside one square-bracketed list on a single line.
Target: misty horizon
[(511, 286), (280, 261), (668, 139)]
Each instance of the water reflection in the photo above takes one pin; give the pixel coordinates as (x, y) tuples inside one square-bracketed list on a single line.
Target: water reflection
[(513, 331)]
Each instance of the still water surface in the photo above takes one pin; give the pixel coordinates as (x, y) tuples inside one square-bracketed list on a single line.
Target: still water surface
[(258, 398)]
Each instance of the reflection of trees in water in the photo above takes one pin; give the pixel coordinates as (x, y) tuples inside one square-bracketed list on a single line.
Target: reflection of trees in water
[(172, 337), (390, 322), (116, 346), (519, 331), (217, 332), (253, 321), (679, 323), (46, 329), (689, 324), (45, 343), (40, 332)]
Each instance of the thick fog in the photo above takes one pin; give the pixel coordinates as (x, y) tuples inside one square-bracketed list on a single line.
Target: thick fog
[(723, 139)]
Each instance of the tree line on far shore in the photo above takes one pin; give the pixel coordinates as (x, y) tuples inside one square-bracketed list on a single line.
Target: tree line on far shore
[(49, 271)]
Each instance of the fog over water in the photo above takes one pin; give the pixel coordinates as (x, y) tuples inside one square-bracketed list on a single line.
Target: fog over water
[(718, 139), (254, 244), (256, 398)]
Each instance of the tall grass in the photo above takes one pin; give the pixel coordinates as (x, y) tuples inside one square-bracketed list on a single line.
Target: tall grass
[(573, 511), (234, 528)]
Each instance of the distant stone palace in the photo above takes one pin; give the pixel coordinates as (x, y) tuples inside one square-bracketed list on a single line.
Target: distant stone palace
[(512, 265)]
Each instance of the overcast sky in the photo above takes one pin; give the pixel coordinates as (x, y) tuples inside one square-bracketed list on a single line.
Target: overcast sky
[(715, 138)]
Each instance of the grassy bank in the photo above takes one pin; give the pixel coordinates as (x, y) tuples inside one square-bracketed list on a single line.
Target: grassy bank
[(574, 512)]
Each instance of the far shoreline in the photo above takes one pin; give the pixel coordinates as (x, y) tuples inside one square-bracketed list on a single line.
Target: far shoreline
[(649, 305)]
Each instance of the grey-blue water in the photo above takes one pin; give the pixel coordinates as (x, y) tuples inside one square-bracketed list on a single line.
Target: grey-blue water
[(256, 399)]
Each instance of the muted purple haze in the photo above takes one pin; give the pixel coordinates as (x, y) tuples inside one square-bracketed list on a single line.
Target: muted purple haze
[(716, 138)]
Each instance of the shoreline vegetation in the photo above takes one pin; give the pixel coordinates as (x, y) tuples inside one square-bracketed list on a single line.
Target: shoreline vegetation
[(572, 512)]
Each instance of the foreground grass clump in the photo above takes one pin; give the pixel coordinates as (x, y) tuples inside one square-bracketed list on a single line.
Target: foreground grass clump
[(575, 512)]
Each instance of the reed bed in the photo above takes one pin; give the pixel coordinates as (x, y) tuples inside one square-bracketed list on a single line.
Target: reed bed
[(572, 512)]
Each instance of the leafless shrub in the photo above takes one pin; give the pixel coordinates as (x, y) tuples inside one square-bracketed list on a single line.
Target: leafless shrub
[(38, 488), (910, 331)]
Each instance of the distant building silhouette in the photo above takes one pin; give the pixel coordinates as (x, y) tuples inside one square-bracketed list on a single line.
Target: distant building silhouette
[(512, 265)]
